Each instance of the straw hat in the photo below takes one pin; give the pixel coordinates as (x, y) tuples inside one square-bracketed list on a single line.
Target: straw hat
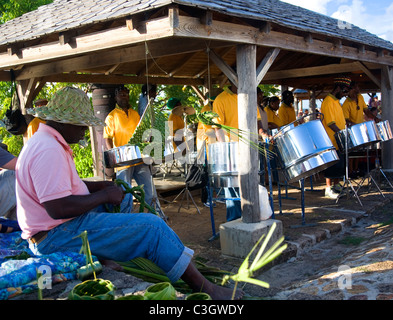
[(68, 105)]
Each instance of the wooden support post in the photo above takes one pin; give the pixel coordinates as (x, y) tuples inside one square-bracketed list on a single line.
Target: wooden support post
[(266, 64), (247, 111), (387, 113)]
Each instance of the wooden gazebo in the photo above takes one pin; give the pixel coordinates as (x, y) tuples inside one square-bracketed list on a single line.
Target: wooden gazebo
[(196, 43)]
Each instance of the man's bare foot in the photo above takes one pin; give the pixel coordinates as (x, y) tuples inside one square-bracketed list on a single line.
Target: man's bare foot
[(199, 283), (222, 293)]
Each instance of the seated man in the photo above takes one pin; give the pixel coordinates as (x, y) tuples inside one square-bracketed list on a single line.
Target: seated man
[(54, 205)]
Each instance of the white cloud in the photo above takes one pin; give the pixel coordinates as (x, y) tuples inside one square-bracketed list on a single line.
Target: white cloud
[(360, 13), (379, 22)]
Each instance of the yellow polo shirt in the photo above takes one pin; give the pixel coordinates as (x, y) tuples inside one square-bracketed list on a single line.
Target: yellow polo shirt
[(120, 127), (33, 127), (350, 109), (286, 114), (225, 105), (273, 117), (332, 114), (205, 132), (177, 124)]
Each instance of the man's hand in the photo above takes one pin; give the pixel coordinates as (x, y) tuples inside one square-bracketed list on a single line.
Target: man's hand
[(115, 194)]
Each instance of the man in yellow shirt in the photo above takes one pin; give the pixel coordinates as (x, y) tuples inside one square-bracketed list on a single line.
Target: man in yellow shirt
[(120, 125), (334, 121), (176, 123), (354, 106), (225, 105), (286, 112), (34, 124), (274, 121)]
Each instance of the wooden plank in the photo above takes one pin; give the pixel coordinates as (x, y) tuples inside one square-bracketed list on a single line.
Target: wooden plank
[(116, 79), (387, 114), (387, 75), (247, 115), (103, 40), (266, 63), (369, 73), (110, 58), (223, 66), (191, 28), (315, 71)]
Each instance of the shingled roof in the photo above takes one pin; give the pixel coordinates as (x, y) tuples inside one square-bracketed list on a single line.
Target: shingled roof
[(63, 15)]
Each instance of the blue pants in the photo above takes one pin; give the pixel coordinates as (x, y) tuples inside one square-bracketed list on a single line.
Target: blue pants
[(234, 210), (121, 237), (142, 175)]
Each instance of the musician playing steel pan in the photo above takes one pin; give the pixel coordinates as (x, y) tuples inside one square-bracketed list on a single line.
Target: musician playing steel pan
[(334, 121), (355, 109)]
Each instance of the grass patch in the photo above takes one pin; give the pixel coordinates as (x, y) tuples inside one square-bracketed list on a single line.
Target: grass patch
[(352, 241)]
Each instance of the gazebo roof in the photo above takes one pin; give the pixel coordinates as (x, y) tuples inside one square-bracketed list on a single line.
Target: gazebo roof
[(186, 42), (64, 15)]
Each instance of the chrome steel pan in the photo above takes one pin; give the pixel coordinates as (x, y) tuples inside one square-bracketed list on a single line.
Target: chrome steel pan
[(122, 156), (304, 150), (384, 130), (360, 136), (222, 164)]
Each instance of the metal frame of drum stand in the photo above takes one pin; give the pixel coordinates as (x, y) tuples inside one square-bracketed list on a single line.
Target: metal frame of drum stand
[(369, 173), (279, 184), (186, 192), (210, 198), (347, 180)]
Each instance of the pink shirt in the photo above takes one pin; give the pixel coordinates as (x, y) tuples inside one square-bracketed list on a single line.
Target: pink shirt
[(45, 171)]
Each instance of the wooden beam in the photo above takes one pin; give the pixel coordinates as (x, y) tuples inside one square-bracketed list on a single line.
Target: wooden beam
[(89, 43), (224, 67), (247, 114), (116, 79), (191, 28), (5, 76), (67, 37), (173, 15), (315, 71), (369, 73), (387, 75), (266, 63), (110, 58)]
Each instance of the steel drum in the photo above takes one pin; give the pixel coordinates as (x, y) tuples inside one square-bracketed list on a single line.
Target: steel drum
[(360, 136), (122, 156), (384, 130), (222, 164), (304, 150)]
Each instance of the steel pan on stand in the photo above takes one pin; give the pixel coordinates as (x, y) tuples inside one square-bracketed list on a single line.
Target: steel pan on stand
[(385, 133), (222, 164), (304, 150), (360, 135), (122, 156), (384, 130)]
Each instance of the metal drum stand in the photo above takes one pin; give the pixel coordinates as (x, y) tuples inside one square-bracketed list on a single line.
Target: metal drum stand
[(186, 192), (347, 180)]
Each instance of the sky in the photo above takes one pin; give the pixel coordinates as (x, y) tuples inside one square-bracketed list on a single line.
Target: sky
[(375, 16)]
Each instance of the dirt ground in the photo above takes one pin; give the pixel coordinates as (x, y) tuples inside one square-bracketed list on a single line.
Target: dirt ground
[(299, 263)]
